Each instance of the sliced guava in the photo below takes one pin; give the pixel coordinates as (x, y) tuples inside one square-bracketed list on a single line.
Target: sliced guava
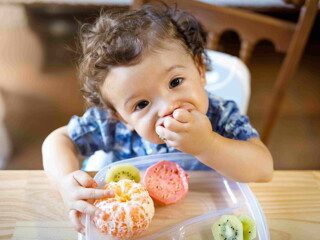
[(166, 182)]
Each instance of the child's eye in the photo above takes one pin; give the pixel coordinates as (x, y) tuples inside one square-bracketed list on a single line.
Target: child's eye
[(141, 105), (175, 82)]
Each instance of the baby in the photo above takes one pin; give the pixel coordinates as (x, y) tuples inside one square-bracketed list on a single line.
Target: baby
[(143, 71)]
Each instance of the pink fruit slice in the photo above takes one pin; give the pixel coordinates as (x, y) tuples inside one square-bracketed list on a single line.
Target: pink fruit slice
[(166, 182)]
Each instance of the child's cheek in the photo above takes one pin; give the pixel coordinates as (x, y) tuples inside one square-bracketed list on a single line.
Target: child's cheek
[(147, 131)]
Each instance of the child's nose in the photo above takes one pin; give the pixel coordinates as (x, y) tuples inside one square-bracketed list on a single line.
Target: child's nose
[(168, 107)]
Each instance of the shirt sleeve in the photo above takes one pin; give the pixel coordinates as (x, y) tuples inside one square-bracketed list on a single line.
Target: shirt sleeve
[(93, 131), (230, 123)]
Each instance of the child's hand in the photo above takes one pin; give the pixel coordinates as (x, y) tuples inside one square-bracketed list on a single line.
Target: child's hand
[(189, 132), (76, 188)]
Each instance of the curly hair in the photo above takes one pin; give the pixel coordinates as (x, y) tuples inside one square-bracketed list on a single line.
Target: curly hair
[(121, 38)]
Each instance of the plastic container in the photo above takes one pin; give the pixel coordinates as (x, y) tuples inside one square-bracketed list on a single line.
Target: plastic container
[(210, 196)]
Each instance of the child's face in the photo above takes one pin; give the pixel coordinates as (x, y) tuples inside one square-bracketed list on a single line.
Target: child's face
[(147, 92)]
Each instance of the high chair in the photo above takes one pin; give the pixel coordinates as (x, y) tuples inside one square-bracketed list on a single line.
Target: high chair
[(288, 37), (5, 147)]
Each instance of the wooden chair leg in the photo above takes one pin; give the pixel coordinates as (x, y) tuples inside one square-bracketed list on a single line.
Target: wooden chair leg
[(297, 45), (246, 51), (137, 3), (213, 41)]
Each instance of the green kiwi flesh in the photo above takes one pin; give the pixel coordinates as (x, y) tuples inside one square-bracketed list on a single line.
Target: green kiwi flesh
[(228, 227), (122, 171), (249, 227)]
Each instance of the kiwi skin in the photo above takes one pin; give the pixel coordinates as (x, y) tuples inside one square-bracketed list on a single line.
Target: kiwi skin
[(122, 171), (228, 227)]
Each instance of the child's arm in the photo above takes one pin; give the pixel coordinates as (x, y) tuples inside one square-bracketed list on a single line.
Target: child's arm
[(59, 154), (243, 161), (62, 166)]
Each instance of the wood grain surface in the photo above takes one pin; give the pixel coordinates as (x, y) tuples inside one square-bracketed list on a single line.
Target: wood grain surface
[(31, 207)]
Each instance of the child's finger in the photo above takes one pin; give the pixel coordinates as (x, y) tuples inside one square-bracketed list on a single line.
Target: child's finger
[(160, 131), (74, 217), (84, 179), (87, 208), (181, 115), (165, 133), (173, 125), (90, 193)]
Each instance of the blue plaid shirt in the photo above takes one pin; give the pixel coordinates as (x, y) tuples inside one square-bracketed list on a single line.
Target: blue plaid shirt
[(96, 130)]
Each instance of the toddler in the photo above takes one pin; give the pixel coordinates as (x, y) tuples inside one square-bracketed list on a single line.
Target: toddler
[(143, 73)]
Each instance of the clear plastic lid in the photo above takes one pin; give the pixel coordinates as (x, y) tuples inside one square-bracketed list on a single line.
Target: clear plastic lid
[(210, 196)]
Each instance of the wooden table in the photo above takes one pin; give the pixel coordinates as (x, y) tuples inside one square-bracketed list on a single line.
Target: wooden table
[(30, 207)]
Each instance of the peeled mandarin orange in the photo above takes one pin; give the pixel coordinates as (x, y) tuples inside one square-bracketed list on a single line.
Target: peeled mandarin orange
[(128, 213)]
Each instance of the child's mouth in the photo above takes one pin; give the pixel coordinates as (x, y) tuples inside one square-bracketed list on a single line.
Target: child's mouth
[(169, 115), (161, 121), (187, 107)]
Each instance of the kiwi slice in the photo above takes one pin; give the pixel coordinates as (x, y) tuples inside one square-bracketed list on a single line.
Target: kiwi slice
[(249, 227), (228, 227), (122, 171)]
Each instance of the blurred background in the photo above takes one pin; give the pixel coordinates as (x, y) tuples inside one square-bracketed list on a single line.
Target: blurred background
[(40, 91)]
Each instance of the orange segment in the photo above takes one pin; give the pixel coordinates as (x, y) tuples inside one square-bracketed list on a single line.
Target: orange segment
[(128, 213)]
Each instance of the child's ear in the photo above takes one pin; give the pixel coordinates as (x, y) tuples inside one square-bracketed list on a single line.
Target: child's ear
[(202, 69), (118, 117)]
